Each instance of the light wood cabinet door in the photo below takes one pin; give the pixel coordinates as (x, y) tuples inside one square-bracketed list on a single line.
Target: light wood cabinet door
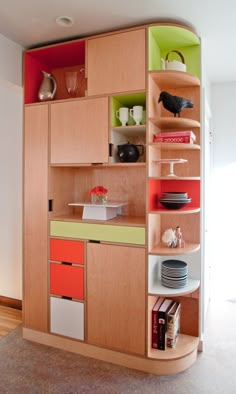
[(79, 131), (35, 293), (116, 63), (116, 297)]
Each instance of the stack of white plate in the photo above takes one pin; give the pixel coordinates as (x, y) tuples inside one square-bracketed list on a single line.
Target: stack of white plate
[(174, 273)]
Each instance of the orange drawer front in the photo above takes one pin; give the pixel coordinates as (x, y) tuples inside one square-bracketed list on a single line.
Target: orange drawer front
[(67, 251), (67, 280)]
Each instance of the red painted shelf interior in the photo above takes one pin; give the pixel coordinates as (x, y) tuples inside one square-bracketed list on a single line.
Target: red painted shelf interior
[(157, 187), (48, 58)]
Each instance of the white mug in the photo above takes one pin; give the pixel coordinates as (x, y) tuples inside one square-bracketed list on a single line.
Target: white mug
[(136, 113), (123, 115)]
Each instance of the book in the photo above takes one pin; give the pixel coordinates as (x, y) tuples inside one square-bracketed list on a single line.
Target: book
[(173, 324), (162, 323), (154, 321), (175, 137)]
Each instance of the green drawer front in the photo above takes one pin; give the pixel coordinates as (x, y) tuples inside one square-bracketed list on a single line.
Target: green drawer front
[(98, 232)]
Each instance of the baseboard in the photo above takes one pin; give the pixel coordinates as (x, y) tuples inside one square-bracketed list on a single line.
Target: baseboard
[(141, 363), (11, 302)]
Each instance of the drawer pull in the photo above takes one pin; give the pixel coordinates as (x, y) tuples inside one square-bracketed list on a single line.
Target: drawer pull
[(93, 241)]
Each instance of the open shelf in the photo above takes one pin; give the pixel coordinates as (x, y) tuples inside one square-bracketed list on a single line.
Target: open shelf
[(186, 344), (174, 79), (130, 130), (174, 122), (54, 59), (156, 288), (163, 250)]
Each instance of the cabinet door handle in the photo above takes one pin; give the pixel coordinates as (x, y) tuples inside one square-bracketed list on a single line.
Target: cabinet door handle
[(50, 205)]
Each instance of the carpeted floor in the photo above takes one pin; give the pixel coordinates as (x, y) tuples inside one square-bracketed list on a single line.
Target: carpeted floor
[(27, 367)]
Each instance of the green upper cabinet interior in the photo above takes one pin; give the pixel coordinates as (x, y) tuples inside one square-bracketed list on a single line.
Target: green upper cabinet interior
[(162, 39), (126, 100)]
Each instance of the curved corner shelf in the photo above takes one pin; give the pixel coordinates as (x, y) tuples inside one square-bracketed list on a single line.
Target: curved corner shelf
[(174, 146), (169, 122), (186, 345), (163, 250), (181, 211), (179, 178), (174, 79), (158, 289)]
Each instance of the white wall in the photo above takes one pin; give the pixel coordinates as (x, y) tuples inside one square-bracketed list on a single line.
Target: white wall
[(10, 61), (10, 169), (223, 100)]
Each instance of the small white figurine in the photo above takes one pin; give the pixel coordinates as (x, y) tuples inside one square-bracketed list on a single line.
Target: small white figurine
[(169, 238), (179, 238)]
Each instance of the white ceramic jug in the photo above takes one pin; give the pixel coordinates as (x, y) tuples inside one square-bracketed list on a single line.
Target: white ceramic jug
[(175, 64)]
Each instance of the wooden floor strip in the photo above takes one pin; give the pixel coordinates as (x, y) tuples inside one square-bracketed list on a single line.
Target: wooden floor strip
[(9, 319)]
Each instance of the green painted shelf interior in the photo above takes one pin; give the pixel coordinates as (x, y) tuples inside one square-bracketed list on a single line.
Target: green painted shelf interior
[(163, 39), (125, 100)]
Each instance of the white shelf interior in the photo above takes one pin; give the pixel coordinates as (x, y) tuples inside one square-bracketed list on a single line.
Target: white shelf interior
[(154, 275)]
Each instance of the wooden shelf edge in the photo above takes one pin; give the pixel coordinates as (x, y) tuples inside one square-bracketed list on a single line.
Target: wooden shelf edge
[(120, 220), (174, 122), (141, 127), (177, 178), (185, 345), (162, 250), (174, 78), (160, 290), (174, 146), (175, 211), (100, 165)]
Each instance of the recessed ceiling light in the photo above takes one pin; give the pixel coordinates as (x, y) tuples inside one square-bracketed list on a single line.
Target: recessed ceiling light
[(65, 21)]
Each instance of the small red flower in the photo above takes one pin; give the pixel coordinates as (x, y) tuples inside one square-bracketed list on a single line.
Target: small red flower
[(98, 190)]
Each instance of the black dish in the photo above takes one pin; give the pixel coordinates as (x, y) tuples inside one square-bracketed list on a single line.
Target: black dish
[(174, 205)]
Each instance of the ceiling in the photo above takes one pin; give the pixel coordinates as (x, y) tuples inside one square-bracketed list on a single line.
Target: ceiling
[(32, 23)]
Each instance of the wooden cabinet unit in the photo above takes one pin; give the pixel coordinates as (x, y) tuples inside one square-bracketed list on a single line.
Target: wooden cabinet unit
[(116, 297), (79, 131), (116, 63), (90, 285)]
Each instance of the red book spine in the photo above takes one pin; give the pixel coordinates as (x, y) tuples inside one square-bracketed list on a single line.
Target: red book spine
[(154, 329), (155, 321)]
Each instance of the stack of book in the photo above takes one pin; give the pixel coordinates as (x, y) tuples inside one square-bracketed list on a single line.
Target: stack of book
[(165, 323), (175, 137), (173, 324)]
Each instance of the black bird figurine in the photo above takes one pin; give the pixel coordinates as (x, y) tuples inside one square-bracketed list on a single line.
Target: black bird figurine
[(174, 104)]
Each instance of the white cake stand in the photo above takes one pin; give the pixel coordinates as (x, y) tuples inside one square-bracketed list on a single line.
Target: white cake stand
[(171, 163)]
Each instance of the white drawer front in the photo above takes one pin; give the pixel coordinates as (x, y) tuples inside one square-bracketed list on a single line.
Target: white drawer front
[(67, 318)]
